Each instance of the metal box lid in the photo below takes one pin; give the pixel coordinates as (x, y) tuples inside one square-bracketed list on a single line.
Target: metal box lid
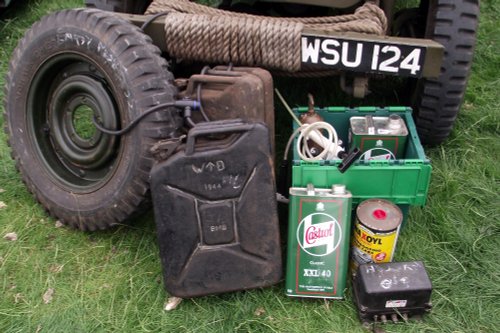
[(393, 277), (393, 125)]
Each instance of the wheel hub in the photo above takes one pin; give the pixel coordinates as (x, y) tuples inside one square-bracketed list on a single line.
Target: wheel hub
[(67, 92), (74, 102)]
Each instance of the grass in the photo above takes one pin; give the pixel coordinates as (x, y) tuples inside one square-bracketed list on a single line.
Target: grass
[(111, 281)]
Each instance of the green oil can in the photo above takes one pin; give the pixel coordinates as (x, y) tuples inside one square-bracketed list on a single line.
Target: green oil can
[(378, 137), (318, 242)]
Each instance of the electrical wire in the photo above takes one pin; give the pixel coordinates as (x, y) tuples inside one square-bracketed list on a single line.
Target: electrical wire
[(310, 131), (198, 90), (313, 132), (152, 19), (289, 143), (190, 122), (187, 117), (183, 103), (133, 123), (198, 94)]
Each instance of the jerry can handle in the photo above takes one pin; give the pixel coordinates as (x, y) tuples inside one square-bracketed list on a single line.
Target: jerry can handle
[(215, 127)]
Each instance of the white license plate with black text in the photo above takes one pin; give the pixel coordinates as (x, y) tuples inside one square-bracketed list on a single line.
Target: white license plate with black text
[(362, 56)]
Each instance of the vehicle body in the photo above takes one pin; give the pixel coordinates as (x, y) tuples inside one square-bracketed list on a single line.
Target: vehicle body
[(78, 63)]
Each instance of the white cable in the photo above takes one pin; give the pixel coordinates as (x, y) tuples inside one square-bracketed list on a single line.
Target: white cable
[(330, 144)]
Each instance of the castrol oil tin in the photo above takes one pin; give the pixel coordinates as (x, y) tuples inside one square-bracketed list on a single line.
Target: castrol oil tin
[(375, 233), (378, 137), (318, 242)]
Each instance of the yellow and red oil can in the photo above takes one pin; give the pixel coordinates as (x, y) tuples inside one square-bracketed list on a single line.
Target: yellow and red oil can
[(375, 232)]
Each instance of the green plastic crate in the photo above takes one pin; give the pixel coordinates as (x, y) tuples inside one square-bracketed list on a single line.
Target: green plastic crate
[(404, 181)]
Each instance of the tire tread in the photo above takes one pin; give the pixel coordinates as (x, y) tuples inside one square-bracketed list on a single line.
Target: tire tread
[(151, 84), (440, 99)]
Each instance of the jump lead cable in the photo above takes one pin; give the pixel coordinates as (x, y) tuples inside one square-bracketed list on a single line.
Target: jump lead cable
[(183, 104)]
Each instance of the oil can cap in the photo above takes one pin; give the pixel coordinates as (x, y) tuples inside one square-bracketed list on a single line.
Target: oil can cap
[(394, 121), (379, 215), (310, 189), (338, 189)]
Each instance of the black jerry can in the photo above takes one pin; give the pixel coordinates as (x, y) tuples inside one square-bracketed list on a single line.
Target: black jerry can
[(216, 212)]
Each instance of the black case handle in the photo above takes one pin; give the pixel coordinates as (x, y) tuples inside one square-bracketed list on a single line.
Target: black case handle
[(215, 127)]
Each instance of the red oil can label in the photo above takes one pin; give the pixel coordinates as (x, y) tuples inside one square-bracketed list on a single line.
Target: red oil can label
[(318, 240)]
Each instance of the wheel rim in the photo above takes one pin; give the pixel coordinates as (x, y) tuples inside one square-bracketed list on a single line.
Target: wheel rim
[(68, 91)]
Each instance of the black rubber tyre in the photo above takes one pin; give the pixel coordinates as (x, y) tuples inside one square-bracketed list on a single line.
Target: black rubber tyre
[(453, 23), (70, 66), (122, 6)]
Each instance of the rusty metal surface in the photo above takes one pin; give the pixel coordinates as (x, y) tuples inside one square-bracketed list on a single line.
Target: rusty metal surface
[(242, 92), (216, 213)]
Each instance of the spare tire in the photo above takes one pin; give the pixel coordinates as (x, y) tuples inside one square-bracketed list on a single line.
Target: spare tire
[(69, 67)]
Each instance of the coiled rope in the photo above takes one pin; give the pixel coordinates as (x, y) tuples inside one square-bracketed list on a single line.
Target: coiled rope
[(202, 33)]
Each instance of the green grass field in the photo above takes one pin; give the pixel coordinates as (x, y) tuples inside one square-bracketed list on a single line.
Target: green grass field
[(111, 281)]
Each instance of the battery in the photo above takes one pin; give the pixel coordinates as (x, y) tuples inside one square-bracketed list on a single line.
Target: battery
[(378, 137), (392, 290), (318, 242)]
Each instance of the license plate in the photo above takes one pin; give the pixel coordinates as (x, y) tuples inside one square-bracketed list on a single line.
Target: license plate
[(362, 56)]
